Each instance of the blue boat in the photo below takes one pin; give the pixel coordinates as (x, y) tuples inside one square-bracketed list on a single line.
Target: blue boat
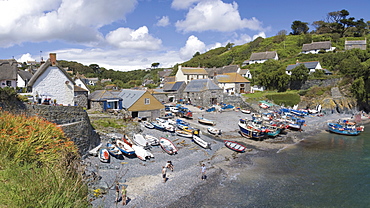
[(347, 128), (159, 126), (249, 132)]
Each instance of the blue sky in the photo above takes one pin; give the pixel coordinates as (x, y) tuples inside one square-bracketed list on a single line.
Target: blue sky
[(133, 34)]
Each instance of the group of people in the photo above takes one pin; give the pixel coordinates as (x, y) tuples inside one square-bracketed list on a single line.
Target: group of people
[(170, 166), (123, 193)]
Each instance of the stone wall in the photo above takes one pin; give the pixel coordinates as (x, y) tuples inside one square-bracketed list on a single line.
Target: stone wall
[(320, 83), (236, 101)]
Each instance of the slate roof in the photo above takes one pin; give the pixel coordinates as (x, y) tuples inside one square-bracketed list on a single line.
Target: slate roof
[(308, 65), (243, 71), (103, 95), (190, 70), (316, 46), (79, 89), (231, 78), (225, 69), (200, 85), (164, 73), (263, 55), (130, 96), (8, 69), (170, 79), (43, 68), (355, 42), (173, 86)]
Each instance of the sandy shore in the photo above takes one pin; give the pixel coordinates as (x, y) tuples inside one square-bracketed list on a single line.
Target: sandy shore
[(145, 187)]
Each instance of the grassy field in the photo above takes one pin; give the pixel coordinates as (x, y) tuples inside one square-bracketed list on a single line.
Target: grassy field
[(289, 98)]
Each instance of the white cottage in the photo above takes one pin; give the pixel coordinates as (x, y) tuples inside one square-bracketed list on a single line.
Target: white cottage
[(51, 82), (187, 74)]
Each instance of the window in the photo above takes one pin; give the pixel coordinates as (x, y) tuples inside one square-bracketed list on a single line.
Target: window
[(8, 83), (147, 101)]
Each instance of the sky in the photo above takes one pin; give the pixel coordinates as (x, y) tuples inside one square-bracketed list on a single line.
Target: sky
[(132, 34)]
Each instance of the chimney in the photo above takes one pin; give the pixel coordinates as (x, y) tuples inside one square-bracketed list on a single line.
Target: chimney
[(53, 59)]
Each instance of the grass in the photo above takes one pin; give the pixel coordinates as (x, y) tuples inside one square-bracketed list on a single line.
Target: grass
[(37, 165), (289, 98)]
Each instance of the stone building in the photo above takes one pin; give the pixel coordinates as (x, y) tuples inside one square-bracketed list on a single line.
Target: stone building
[(203, 92)]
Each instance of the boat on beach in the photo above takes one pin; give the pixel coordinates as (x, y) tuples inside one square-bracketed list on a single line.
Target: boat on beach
[(104, 155), (235, 146), (152, 140), (141, 153), (184, 133), (114, 150), (201, 142), (205, 121), (159, 126), (214, 131), (95, 150), (168, 146), (245, 111), (139, 140), (250, 132), (147, 124), (345, 128), (125, 146)]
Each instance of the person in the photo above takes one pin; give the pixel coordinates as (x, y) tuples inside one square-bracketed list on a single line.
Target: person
[(124, 192), (169, 165), (117, 192), (164, 171), (203, 172)]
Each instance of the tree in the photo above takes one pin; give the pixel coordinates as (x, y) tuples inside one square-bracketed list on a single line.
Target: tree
[(155, 65), (196, 54), (280, 37), (299, 76), (299, 27), (358, 89)]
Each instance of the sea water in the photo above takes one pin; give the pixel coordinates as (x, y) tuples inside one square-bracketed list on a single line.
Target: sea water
[(326, 170)]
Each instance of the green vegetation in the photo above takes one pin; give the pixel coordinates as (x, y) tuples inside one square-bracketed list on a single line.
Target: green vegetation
[(289, 98), (37, 165), (107, 122)]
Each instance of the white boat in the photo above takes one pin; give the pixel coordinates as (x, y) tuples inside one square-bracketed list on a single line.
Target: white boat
[(141, 153), (206, 121), (214, 131), (114, 150), (147, 124), (139, 140), (95, 150), (184, 133), (201, 142), (104, 155), (245, 111), (125, 146), (167, 146), (152, 140)]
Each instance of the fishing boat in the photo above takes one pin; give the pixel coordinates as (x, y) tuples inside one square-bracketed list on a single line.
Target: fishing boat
[(181, 123), (272, 131), (167, 146), (125, 146), (184, 133), (139, 140), (295, 123), (95, 150), (104, 155), (214, 131), (246, 111), (201, 142), (147, 124), (205, 121), (191, 130), (346, 128), (152, 140), (159, 126), (114, 150), (141, 153), (247, 131), (235, 146)]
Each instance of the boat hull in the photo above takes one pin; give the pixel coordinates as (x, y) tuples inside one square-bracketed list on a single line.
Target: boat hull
[(235, 146), (339, 129), (167, 146)]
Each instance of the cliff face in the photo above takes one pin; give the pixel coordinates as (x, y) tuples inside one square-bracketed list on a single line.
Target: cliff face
[(73, 120)]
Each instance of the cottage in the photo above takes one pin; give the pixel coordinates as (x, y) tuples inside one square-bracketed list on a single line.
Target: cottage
[(103, 100), (311, 65), (246, 73), (351, 44), (233, 83), (52, 83), (257, 58), (22, 78), (140, 103), (203, 92), (8, 73), (187, 74), (316, 47), (213, 72), (171, 91)]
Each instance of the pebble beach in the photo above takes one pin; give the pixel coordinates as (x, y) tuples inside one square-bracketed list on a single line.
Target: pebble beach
[(143, 179)]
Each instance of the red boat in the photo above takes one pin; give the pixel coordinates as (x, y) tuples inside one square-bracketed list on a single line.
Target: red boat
[(235, 146), (167, 146)]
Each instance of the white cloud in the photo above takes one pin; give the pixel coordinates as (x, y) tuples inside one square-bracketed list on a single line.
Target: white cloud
[(75, 21), (193, 45), (127, 38), (25, 57), (260, 34), (217, 16), (183, 4), (164, 21)]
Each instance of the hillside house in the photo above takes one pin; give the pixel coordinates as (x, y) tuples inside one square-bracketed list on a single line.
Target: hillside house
[(261, 57), (233, 83), (213, 72), (140, 103), (203, 92), (351, 44), (316, 47), (311, 65), (51, 82), (92, 81), (80, 83), (187, 74), (8, 73), (246, 73)]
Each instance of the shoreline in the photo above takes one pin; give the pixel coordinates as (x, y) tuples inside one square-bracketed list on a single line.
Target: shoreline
[(143, 178)]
